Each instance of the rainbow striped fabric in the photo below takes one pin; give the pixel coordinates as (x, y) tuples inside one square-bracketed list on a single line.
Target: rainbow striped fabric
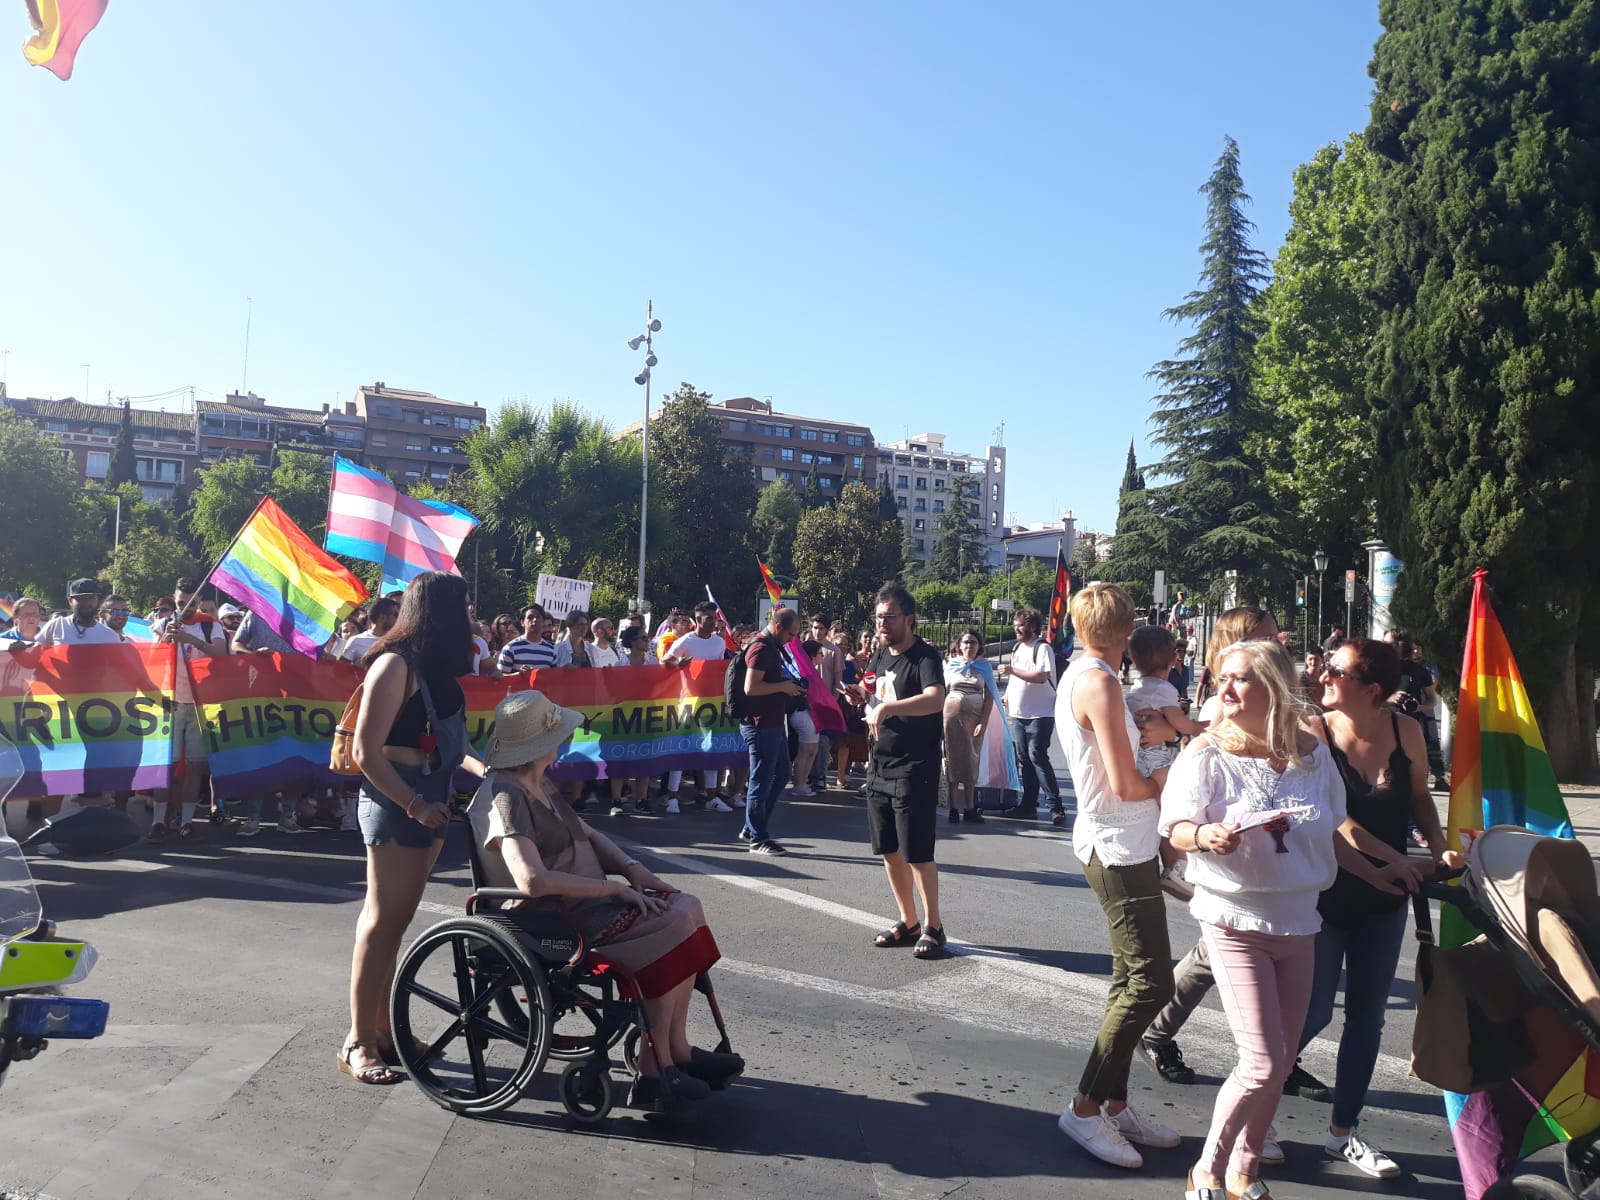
[(1501, 774), (370, 519), (278, 572), (773, 589), (59, 27)]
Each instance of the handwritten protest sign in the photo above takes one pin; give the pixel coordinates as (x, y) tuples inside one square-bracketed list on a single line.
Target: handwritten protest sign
[(560, 596)]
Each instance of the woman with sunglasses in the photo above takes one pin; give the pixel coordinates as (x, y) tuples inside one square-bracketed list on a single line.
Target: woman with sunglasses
[(968, 707), (502, 631), (1383, 761)]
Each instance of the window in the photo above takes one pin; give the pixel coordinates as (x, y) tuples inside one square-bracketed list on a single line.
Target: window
[(439, 476), (383, 410), (902, 460), (999, 466), (414, 447), (377, 439), (55, 426), (938, 506), (808, 435), (994, 518), (994, 491), (807, 457), (857, 462), (464, 422), (827, 483), (855, 439), (97, 464), (902, 481), (345, 437), (938, 485), (103, 430), (920, 544), (786, 454), (922, 505), (763, 451), (444, 447), (763, 428), (919, 524), (786, 476), (922, 483), (159, 470), (767, 474), (824, 460), (916, 446), (413, 474), (155, 494), (829, 436), (735, 425), (782, 431), (901, 504), (411, 416)]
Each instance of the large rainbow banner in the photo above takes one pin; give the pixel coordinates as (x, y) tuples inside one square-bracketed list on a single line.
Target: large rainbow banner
[(89, 718), (270, 718)]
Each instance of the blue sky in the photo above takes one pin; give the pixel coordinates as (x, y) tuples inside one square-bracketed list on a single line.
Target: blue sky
[(928, 217)]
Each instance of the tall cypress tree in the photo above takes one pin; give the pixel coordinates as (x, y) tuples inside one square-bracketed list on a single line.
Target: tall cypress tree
[(124, 459), (1136, 552), (1486, 363), (1216, 513)]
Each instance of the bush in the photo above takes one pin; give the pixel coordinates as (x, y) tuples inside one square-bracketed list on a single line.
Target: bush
[(936, 599)]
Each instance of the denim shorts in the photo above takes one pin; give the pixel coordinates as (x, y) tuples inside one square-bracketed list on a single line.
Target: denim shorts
[(382, 820)]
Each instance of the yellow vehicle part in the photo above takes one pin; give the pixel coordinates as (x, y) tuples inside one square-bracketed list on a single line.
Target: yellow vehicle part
[(26, 964)]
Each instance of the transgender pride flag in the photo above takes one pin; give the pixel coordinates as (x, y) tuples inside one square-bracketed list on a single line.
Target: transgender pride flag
[(370, 519)]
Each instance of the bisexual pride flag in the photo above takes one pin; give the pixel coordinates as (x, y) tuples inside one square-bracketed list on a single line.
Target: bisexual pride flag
[(371, 519)]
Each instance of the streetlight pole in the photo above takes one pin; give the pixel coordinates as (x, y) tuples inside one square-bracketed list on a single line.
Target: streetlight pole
[(1320, 561), (651, 327)]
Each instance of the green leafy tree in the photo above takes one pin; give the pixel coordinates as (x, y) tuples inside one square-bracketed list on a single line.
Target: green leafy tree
[(959, 546), (1216, 512), (845, 552), (1084, 563), (299, 483), (124, 458), (229, 489), (709, 486), (1031, 582), (936, 598), (1486, 361), (812, 495), (777, 517), (53, 529), (888, 506), (1319, 320)]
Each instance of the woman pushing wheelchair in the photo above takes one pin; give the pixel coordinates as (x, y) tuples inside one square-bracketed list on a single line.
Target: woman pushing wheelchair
[(536, 843)]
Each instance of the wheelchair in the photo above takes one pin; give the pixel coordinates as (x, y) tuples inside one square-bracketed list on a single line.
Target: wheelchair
[(484, 1001)]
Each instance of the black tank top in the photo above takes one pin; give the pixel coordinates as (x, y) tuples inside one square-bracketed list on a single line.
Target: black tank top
[(1384, 811)]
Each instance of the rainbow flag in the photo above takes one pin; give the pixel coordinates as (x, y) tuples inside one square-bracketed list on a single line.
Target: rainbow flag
[(1059, 634), (773, 589), (59, 28), (1502, 776), (371, 519), (89, 718), (8, 608), (277, 572)]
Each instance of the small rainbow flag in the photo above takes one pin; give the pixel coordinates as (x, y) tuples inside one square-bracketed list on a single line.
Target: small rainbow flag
[(1501, 774), (8, 609), (59, 27), (773, 589), (278, 572)]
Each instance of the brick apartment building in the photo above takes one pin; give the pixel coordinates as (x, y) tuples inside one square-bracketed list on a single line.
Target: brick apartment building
[(247, 424), (164, 443), (785, 446), (414, 436)]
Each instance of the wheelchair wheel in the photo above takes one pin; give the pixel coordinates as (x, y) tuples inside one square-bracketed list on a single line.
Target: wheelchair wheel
[(449, 1012), (630, 1049), (585, 1092), (583, 1014)]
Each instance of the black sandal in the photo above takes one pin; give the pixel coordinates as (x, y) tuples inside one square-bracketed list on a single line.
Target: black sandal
[(898, 934), (931, 943)]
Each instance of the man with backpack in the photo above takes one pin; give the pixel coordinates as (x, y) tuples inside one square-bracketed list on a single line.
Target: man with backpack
[(758, 690), (1030, 681)]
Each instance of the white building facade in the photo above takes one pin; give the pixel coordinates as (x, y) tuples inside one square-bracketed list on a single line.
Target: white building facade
[(926, 478)]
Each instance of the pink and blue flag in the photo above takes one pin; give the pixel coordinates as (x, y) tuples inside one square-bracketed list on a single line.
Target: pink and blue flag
[(371, 519)]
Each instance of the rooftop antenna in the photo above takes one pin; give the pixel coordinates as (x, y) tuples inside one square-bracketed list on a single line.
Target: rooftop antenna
[(244, 378), (1000, 434)]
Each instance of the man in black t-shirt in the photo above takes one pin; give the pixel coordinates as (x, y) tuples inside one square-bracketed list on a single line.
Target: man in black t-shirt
[(771, 682), (904, 695)]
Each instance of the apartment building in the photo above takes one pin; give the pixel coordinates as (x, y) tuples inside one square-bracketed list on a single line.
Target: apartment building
[(786, 446), (247, 424), (926, 477), (164, 443), (414, 436)]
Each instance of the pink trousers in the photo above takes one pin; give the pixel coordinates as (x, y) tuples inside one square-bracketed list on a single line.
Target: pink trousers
[(1264, 982)]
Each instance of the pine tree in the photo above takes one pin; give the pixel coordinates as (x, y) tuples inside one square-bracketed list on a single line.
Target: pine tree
[(1216, 513), (1486, 362), (812, 495), (124, 459), (958, 544), (888, 506), (1136, 551)]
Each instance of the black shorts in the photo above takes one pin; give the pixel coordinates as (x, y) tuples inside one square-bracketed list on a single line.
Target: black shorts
[(903, 815)]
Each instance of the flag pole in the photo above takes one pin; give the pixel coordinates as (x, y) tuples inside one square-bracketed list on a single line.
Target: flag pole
[(206, 578)]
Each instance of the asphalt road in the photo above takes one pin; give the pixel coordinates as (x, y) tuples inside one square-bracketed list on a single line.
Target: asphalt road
[(870, 1075)]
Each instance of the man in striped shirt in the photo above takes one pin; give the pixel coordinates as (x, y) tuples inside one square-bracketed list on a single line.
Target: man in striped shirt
[(533, 650)]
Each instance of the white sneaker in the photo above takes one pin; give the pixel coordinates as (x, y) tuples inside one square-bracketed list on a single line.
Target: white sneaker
[(738, 801), (48, 849), (801, 792), (1271, 1152), (718, 804), (672, 806), (250, 828), (1362, 1155), (1100, 1137), (1141, 1130), (288, 824)]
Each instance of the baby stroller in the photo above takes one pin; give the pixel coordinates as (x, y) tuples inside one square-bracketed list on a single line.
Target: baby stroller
[(483, 1001), (1513, 1017)]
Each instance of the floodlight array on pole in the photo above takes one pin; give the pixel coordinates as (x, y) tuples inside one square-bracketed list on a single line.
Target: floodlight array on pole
[(651, 328)]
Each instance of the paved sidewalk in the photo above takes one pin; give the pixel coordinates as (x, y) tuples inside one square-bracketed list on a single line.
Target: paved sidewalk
[(1583, 806)]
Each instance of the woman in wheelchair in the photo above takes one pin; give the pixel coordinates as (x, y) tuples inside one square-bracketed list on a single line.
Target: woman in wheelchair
[(535, 843)]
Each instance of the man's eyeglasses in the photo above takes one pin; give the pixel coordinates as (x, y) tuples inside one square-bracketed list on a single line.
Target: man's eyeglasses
[(887, 616), (1337, 672)]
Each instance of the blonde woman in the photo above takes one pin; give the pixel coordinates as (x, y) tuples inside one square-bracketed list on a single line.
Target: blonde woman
[(1258, 804)]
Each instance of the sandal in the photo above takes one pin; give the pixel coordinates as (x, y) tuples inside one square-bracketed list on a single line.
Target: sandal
[(377, 1073), (1203, 1193), (898, 934), (931, 943), (1256, 1191)]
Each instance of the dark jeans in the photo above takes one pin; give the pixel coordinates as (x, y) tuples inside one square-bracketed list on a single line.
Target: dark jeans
[(1032, 736), (819, 765), (1141, 971), (1430, 738), (1369, 952), (769, 775), (1190, 984)]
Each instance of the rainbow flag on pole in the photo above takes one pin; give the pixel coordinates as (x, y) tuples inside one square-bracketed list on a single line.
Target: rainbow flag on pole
[(371, 519), (773, 589), (1502, 776), (59, 28), (278, 572)]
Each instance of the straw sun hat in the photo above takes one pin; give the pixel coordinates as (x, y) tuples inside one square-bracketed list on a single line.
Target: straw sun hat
[(528, 725)]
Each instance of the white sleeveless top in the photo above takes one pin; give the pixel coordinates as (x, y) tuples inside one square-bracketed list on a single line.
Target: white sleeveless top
[(1123, 833)]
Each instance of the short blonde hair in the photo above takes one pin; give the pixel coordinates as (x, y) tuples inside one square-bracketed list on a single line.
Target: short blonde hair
[(1275, 672), (1102, 613)]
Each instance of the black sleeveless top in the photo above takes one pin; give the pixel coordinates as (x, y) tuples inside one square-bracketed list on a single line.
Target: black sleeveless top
[(412, 719), (1384, 811)]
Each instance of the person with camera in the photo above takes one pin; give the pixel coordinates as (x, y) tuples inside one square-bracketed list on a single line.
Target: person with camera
[(1417, 696), (772, 686)]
